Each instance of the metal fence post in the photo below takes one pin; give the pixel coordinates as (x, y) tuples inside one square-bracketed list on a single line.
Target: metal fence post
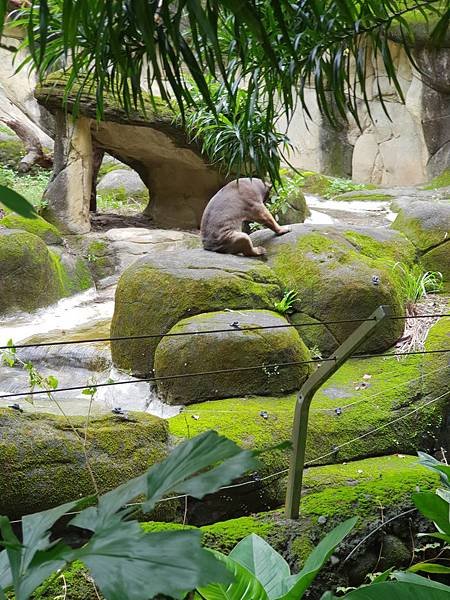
[(305, 396)]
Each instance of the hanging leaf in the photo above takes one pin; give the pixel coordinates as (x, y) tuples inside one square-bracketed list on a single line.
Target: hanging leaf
[(16, 203)]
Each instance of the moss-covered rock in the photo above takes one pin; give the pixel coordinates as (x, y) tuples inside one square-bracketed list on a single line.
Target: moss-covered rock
[(37, 226), (43, 463), (335, 280), (442, 180), (333, 493), (157, 291), (29, 278), (230, 349), (101, 258), (425, 223), (73, 271), (291, 209), (369, 407), (438, 259)]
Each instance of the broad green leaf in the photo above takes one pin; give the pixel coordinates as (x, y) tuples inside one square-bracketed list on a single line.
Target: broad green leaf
[(258, 557), (127, 563), (382, 576), (295, 586), (432, 463), (16, 203), (393, 590), (435, 508), (245, 586), (5, 571), (429, 568), (407, 577), (177, 473)]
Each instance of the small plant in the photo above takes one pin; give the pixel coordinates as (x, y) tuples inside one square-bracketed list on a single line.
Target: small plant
[(341, 186), (417, 284), (286, 304)]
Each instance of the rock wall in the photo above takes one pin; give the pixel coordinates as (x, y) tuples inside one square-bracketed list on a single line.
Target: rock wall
[(410, 147)]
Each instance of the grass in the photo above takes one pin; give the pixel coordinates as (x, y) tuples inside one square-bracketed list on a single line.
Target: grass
[(30, 186), (286, 304), (417, 284), (118, 201)]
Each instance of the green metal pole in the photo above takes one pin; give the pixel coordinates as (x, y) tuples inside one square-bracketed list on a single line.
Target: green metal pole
[(305, 396)]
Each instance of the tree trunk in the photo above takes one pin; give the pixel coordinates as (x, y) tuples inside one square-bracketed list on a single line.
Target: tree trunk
[(97, 158), (35, 153)]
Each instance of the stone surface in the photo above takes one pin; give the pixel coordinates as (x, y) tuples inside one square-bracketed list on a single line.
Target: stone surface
[(228, 350), (180, 181), (295, 209), (336, 280), (426, 224), (158, 290), (29, 277), (69, 191), (438, 259), (43, 463), (122, 179)]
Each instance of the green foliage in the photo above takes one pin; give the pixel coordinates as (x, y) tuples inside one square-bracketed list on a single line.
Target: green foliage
[(341, 186), (416, 284), (120, 202), (260, 573), (286, 304), (125, 561), (30, 187), (237, 142)]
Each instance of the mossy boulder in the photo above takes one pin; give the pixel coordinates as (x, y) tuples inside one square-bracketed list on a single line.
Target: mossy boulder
[(336, 279), (230, 348), (101, 258), (438, 259), (74, 273), (334, 493), (370, 407), (43, 462), (293, 209), (37, 226), (159, 290), (29, 278), (425, 223)]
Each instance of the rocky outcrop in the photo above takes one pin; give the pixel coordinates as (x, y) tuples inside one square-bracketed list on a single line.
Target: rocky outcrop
[(427, 224), (179, 179), (160, 289), (230, 348), (43, 462)]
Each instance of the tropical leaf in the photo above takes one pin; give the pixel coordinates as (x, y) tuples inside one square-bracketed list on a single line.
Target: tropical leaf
[(16, 203), (393, 590), (429, 568), (407, 577), (245, 586), (435, 508), (258, 557)]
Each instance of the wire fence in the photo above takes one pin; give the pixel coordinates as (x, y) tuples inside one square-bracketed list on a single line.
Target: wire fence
[(236, 327)]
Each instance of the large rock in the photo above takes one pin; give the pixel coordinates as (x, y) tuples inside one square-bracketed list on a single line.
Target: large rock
[(122, 179), (43, 462), (179, 179), (438, 259), (425, 223), (158, 290), (369, 407), (29, 276), (228, 350), (338, 278)]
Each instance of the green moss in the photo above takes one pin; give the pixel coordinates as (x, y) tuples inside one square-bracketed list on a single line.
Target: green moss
[(442, 180), (362, 197), (82, 98), (396, 249), (38, 226), (425, 225), (73, 277), (108, 167), (334, 281), (393, 389), (438, 259)]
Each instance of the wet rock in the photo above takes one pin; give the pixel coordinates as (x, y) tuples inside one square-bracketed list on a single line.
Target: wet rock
[(426, 224), (227, 350)]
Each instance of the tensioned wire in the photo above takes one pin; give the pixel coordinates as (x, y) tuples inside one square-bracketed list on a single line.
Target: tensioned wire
[(233, 327), (216, 372)]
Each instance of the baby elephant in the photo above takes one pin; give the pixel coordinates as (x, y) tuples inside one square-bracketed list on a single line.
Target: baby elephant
[(240, 200)]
